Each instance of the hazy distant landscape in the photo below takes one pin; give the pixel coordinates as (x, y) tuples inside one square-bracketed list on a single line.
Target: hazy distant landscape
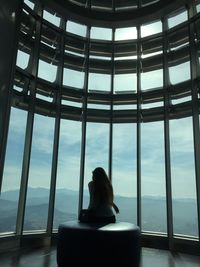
[(66, 206)]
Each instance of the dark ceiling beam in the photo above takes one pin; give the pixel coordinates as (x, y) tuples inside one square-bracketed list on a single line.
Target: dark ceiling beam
[(73, 94), (98, 115), (126, 18)]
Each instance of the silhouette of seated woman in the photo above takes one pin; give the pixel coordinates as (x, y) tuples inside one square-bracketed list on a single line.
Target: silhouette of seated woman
[(101, 203)]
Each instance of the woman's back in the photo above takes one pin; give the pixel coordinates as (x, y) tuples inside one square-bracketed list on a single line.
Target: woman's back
[(101, 194), (101, 204), (101, 200)]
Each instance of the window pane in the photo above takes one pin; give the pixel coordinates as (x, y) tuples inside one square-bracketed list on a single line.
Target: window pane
[(101, 33), (22, 59), (98, 106), (151, 29), (183, 177), (179, 73), (12, 171), (48, 98), (198, 8), (29, 3), (175, 20), (152, 79), (67, 186), (47, 67), (148, 2), (99, 81), (124, 171), (96, 154), (151, 54), (153, 177), (125, 107), (47, 71), (76, 28), (39, 174), (152, 105), (125, 33), (73, 78), (125, 82), (71, 103), (51, 18), (181, 100)]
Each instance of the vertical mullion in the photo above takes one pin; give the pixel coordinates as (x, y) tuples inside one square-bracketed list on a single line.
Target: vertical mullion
[(59, 80), (34, 58), (84, 120), (166, 84), (88, 4), (111, 105), (195, 71), (113, 6), (139, 219)]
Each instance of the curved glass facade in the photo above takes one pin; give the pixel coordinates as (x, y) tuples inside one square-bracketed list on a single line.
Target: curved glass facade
[(126, 99)]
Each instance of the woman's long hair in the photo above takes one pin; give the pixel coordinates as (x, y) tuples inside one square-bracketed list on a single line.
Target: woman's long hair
[(103, 190)]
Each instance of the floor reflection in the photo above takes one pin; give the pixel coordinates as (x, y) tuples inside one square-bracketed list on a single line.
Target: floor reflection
[(46, 257)]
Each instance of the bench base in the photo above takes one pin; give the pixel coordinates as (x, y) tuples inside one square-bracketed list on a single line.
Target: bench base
[(93, 244)]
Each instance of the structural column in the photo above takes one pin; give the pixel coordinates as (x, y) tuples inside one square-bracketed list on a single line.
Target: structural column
[(9, 24)]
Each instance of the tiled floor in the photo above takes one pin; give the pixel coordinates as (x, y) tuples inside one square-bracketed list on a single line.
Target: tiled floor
[(46, 257)]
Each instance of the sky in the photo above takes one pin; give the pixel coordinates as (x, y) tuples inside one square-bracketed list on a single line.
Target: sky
[(97, 138), (97, 147)]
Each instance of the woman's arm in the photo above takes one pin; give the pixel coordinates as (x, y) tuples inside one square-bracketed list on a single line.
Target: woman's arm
[(90, 186)]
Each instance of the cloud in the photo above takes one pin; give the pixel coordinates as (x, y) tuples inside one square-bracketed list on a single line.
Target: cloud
[(11, 177), (97, 152)]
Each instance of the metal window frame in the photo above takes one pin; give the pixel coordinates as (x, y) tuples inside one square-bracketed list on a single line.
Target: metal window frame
[(110, 160), (84, 121), (139, 121), (58, 82), (34, 59), (195, 71), (167, 103)]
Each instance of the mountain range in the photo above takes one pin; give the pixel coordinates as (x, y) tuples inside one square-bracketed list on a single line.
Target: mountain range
[(66, 208)]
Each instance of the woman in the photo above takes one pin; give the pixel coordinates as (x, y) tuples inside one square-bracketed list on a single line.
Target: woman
[(101, 203)]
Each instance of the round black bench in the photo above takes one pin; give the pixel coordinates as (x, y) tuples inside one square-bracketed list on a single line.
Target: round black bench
[(93, 244)]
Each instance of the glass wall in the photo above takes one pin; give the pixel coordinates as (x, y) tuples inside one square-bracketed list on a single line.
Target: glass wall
[(153, 177), (68, 171), (39, 174), (96, 153), (12, 171), (183, 177), (103, 70), (124, 176)]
